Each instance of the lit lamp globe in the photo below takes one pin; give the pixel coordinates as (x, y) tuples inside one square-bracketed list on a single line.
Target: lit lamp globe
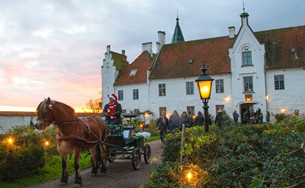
[(204, 82)]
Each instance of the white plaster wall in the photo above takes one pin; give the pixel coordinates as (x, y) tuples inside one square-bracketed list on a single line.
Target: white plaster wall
[(292, 97), (8, 122), (247, 39), (177, 99), (108, 72), (128, 103)]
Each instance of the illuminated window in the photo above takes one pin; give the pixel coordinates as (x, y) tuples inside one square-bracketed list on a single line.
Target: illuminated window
[(162, 90), (248, 97), (279, 83), (248, 83)]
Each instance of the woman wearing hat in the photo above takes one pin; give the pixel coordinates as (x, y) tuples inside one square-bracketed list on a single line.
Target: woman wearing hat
[(113, 111)]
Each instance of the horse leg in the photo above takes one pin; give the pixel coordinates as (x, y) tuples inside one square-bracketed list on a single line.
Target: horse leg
[(103, 159), (94, 159), (64, 176), (78, 179)]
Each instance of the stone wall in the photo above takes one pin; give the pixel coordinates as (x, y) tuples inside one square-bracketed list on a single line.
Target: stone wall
[(12, 119)]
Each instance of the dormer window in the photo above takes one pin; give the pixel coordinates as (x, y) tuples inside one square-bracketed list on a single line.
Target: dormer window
[(133, 72), (246, 57)]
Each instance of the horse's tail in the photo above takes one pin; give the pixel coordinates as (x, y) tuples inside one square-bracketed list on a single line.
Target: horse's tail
[(98, 156)]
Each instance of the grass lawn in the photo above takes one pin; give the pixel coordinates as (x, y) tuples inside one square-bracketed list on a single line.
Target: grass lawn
[(52, 170)]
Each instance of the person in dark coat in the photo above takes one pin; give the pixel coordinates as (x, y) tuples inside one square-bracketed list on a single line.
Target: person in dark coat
[(163, 125), (191, 117), (219, 118), (184, 120), (268, 116), (235, 116), (174, 122), (112, 111), (199, 120)]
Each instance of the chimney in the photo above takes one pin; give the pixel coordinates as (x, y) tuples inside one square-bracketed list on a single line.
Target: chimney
[(123, 52), (161, 40), (231, 32), (147, 47), (108, 49)]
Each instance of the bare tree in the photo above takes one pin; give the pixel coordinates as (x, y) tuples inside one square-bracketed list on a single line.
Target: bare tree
[(94, 105)]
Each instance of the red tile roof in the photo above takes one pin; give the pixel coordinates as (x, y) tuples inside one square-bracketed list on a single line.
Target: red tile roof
[(174, 59), (278, 45), (185, 59), (141, 64)]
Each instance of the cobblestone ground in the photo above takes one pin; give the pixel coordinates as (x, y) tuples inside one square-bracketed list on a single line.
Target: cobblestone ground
[(120, 174)]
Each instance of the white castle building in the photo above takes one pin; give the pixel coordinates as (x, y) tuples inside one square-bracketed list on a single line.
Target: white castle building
[(251, 70)]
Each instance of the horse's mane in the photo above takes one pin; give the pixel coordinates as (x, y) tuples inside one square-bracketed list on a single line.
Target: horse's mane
[(68, 108)]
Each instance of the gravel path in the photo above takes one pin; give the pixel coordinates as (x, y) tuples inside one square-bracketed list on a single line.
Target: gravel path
[(120, 174)]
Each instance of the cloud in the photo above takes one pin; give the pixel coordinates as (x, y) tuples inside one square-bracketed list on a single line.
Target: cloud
[(55, 48)]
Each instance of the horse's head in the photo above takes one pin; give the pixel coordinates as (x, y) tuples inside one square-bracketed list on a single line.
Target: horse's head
[(44, 114)]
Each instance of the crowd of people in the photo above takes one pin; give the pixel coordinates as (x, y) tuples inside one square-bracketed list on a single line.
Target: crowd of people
[(175, 122), (112, 112)]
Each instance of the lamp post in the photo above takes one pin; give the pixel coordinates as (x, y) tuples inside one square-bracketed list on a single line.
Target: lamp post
[(204, 82)]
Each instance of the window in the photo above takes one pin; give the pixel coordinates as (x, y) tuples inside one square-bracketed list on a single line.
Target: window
[(220, 107), (190, 88), (190, 109), (247, 58), (133, 72), (279, 83), (162, 89), (219, 86), (135, 94), (162, 109), (248, 83), (120, 95)]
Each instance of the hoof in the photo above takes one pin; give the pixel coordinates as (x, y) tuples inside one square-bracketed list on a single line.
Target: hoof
[(103, 170), (78, 182), (62, 183)]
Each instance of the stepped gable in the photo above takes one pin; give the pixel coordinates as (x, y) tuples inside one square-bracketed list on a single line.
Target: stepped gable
[(141, 64), (280, 44), (185, 59)]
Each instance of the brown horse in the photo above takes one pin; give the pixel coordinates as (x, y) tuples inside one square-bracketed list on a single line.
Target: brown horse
[(73, 136)]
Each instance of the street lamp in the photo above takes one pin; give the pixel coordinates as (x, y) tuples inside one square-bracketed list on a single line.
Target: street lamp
[(204, 82)]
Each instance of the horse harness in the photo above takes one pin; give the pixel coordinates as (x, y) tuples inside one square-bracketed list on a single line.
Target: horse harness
[(77, 137)]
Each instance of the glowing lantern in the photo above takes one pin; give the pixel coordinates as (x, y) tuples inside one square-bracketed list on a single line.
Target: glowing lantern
[(204, 82), (10, 140), (189, 176), (46, 143)]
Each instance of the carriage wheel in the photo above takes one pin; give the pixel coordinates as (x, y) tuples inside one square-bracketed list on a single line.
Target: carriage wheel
[(147, 153), (136, 158), (111, 158), (109, 155)]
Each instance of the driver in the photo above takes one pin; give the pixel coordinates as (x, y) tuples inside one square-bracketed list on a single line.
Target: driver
[(113, 111)]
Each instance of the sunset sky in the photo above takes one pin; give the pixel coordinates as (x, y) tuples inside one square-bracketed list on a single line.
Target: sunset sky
[(55, 48)]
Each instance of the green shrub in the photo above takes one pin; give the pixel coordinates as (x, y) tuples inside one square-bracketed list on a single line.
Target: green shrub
[(268, 155), (26, 154)]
